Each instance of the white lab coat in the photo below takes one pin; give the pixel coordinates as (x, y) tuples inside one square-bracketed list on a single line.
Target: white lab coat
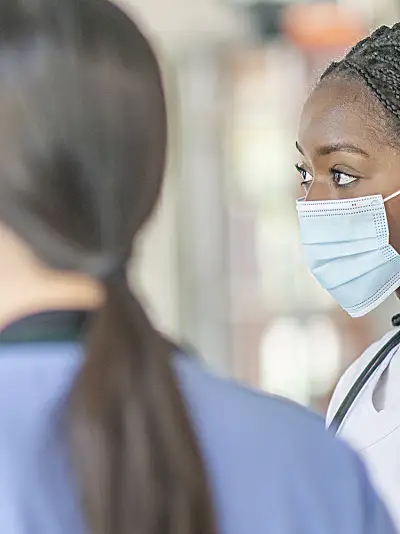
[(372, 426)]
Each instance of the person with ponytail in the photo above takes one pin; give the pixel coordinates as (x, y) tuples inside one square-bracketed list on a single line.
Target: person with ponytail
[(105, 426)]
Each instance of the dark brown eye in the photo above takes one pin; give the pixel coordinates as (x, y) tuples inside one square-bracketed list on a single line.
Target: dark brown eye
[(341, 179), (306, 177)]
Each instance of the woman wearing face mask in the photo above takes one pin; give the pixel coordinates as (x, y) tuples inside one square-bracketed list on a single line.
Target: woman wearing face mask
[(349, 145)]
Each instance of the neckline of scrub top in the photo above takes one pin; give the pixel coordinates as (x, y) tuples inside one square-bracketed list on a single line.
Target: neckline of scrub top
[(47, 327), (366, 426)]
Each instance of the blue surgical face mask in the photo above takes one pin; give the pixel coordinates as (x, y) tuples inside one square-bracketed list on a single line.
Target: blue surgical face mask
[(346, 247)]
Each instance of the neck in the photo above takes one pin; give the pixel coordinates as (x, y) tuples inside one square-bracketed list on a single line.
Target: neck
[(45, 292), (27, 286)]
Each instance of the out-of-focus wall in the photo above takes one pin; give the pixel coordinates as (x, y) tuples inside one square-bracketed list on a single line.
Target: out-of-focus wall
[(180, 267), (179, 23)]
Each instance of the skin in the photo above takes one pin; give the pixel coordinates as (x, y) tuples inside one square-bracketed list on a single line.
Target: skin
[(27, 286), (345, 133)]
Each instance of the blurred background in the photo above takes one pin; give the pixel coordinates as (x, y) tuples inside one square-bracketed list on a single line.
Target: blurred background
[(220, 267)]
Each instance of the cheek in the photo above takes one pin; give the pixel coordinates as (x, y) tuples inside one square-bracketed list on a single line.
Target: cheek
[(393, 217), (382, 177), (387, 171)]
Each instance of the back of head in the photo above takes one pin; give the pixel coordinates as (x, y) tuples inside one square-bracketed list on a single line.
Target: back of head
[(82, 148), (83, 137)]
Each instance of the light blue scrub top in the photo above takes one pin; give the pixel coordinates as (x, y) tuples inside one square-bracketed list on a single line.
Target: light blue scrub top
[(272, 468)]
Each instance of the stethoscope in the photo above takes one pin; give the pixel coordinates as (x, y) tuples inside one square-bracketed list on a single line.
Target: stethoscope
[(364, 377)]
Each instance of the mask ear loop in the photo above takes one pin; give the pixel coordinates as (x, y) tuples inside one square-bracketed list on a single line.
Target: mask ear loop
[(394, 195)]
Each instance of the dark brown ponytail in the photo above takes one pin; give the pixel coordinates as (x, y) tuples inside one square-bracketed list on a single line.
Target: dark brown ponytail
[(81, 171), (137, 458)]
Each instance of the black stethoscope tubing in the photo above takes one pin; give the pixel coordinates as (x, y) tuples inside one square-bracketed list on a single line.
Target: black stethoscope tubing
[(363, 379)]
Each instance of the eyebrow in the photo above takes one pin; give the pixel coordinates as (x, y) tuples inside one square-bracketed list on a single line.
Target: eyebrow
[(325, 150)]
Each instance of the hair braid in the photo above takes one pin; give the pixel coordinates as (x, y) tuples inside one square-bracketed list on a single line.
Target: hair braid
[(375, 89), (376, 61)]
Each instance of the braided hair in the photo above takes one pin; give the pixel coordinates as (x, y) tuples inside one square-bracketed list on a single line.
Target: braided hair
[(375, 61)]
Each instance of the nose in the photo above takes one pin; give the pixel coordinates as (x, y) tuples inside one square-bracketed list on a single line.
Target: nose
[(318, 191)]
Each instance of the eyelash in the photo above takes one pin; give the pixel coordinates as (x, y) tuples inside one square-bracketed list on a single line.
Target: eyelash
[(333, 172)]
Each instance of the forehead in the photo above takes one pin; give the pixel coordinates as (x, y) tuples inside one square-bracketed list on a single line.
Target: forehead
[(341, 110)]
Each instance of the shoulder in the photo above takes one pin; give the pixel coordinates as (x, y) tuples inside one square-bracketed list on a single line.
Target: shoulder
[(250, 420), (274, 451), (211, 398), (352, 372)]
